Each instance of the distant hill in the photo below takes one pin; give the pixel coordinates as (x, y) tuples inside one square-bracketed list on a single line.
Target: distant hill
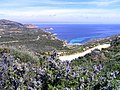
[(28, 36), (10, 24)]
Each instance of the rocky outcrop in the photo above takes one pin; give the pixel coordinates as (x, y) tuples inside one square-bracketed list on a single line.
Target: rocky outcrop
[(30, 26), (48, 28)]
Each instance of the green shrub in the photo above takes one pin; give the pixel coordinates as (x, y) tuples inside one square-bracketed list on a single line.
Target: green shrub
[(24, 56)]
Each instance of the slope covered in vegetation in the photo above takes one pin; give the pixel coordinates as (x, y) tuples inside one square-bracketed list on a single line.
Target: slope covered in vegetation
[(35, 39), (99, 70)]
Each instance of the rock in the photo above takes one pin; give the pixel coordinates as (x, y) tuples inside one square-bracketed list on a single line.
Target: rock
[(48, 28), (30, 26)]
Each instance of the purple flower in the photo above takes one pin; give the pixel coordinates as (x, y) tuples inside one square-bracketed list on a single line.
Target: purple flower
[(116, 72)]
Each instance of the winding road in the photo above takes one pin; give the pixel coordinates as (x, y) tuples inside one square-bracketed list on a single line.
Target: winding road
[(74, 56), (38, 37)]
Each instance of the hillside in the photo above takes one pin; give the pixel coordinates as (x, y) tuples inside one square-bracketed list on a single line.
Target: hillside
[(21, 36), (5, 24), (98, 70)]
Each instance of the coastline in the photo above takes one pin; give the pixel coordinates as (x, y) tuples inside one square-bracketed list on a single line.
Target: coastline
[(82, 33)]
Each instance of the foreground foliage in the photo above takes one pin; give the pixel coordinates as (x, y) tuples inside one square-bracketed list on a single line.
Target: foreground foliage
[(99, 70)]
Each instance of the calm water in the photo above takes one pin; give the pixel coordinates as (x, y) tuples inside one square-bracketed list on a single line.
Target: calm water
[(81, 33)]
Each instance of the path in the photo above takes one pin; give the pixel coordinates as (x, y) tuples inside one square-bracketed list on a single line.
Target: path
[(74, 56), (38, 37)]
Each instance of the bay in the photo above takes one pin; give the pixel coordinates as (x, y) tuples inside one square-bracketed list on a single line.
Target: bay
[(81, 33)]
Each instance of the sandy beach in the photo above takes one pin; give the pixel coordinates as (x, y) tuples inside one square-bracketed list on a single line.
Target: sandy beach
[(73, 56)]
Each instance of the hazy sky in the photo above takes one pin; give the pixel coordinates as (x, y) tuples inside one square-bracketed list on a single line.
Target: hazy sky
[(61, 11)]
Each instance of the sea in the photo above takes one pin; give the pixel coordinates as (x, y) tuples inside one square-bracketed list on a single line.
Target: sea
[(82, 33)]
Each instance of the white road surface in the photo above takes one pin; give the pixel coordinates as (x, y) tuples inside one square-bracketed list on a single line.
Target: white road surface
[(74, 56)]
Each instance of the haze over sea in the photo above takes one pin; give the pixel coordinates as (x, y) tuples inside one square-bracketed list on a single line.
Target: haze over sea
[(81, 33)]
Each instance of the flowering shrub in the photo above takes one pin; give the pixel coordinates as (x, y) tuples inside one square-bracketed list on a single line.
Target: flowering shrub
[(49, 73)]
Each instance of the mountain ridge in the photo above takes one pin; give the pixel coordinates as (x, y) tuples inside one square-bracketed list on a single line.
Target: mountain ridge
[(4, 23)]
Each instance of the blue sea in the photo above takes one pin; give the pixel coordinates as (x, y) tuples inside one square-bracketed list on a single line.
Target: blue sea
[(81, 33)]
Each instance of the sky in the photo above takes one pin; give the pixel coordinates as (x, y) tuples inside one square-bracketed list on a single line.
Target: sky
[(61, 11)]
